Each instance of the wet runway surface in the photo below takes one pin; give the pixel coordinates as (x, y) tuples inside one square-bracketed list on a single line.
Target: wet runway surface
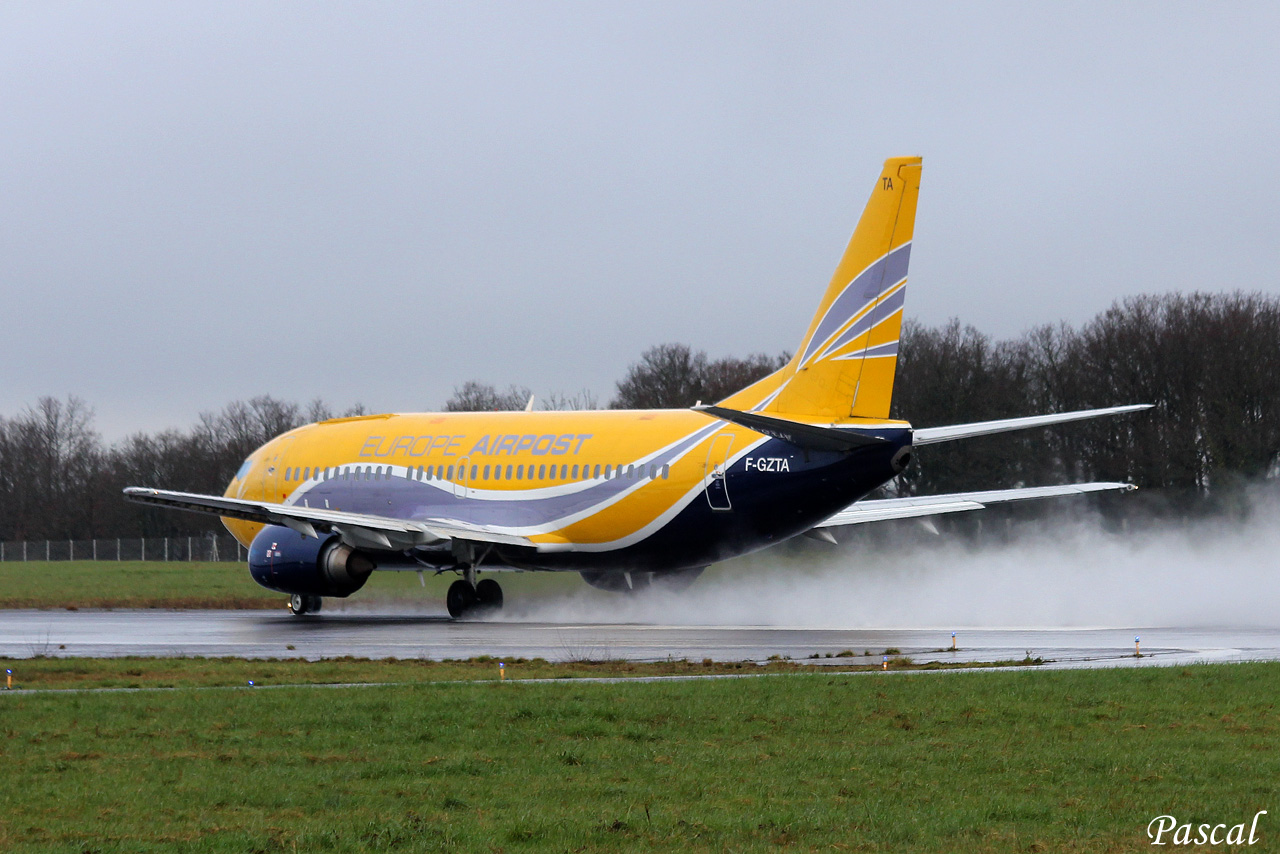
[(274, 634)]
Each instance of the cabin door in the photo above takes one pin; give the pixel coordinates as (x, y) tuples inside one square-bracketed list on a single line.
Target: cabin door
[(716, 471), (275, 487)]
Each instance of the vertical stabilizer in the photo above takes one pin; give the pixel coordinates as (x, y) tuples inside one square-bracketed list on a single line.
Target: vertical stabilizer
[(845, 365)]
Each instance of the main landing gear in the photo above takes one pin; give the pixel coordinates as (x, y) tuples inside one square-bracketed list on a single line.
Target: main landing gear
[(299, 604), (467, 598)]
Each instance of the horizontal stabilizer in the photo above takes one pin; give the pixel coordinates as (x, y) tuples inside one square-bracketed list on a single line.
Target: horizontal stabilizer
[(931, 435), (935, 505), (809, 436)]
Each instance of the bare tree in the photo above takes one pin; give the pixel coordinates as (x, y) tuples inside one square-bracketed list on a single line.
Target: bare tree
[(473, 396), (558, 401), (675, 376), (723, 377)]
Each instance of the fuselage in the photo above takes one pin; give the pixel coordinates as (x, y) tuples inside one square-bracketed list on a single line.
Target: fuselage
[(648, 490)]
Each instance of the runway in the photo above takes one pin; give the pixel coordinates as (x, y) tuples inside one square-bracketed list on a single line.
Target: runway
[(275, 634)]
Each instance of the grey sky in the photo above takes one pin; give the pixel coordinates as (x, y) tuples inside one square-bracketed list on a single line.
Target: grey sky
[(200, 203)]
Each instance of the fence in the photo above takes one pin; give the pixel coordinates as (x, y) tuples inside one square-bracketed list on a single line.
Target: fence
[(207, 548)]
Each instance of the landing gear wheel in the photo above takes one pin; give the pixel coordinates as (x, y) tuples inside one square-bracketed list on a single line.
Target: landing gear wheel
[(489, 594), (460, 598), (299, 604)]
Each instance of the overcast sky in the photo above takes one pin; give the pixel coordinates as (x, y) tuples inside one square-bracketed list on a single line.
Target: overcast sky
[(377, 202)]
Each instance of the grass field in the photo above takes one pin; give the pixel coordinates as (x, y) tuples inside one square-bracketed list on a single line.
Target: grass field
[(181, 584), (990, 761)]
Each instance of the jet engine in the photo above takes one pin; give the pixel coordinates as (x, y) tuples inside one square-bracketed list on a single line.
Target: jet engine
[(281, 559)]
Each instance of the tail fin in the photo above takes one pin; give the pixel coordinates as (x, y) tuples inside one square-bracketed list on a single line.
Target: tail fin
[(845, 365)]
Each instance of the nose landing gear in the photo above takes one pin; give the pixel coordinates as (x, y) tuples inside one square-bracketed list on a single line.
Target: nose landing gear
[(299, 604)]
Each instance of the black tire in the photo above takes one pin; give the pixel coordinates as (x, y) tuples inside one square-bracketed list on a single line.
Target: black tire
[(313, 604), (489, 595), (460, 599), (298, 604)]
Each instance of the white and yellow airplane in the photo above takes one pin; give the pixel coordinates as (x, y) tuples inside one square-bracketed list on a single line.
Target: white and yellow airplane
[(626, 498)]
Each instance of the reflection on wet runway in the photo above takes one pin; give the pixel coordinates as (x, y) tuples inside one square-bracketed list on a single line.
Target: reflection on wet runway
[(275, 634)]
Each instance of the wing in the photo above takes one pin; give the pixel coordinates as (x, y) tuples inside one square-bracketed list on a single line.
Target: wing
[(356, 529), (933, 505)]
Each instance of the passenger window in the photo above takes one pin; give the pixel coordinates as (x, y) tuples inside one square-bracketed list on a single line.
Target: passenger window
[(508, 471), (607, 469), (542, 471), (497, 472), (653, 472), (597, 474), (286, 475), (551, 473), (666, 470), (424, 474), (519, 472), (486, 472), (474, 472), (564, 470), (575, 472)]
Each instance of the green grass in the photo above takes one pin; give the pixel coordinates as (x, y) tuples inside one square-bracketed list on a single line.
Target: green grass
[(130, 584), (993, 761), (181, 584)]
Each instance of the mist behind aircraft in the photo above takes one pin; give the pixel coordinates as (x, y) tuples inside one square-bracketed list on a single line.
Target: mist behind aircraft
[(1072, 571)]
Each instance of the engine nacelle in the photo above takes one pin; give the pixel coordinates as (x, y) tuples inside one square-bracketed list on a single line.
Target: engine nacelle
[(283, 560)]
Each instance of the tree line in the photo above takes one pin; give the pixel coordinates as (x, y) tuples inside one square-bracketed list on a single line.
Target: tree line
[(1210, 363)]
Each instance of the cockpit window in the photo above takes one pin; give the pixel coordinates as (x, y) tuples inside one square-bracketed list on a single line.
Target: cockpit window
[(244, 469)]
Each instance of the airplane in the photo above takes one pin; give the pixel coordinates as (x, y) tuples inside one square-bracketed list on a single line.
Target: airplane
[(628, 499)]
